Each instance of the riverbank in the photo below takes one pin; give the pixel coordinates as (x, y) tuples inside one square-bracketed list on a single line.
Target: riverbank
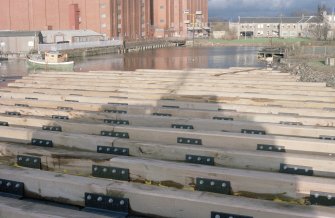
[(255, 42)]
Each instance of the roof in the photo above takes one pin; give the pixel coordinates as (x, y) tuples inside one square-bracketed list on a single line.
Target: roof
[(307, 19), (8, 33), (71, 32)]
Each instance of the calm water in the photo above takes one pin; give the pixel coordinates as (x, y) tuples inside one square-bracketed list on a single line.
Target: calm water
[(165, 58)]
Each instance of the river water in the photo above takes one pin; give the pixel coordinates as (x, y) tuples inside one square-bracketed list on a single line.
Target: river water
[(164, 58)]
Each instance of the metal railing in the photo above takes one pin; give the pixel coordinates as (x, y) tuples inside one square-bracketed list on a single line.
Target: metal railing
[(78, 45)]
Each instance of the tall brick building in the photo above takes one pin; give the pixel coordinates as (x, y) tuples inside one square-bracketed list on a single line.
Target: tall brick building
[(131, 19), (170, 17)]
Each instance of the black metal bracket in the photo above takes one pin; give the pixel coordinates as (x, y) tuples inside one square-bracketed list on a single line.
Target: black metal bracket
[(29, 161), (116, 111), (253, 132), (162, 115), (189, 141), (322, 198), (179, 126), (213, 185), (107, 205), (204, 160), (4, 123), (113, 150), (123, 135), (288, 114), (118, 104), (291, 123), (57, 117), (28, 98), (325, 137), (273, 148), (41, 142), (13, 113), (227, 215), (227, 110), (116, 122), (75, 101), (110, 173), (170, 106), (52, 128), (65, 108), (223, 118), (297, 170), (11, 188), (21, 105)]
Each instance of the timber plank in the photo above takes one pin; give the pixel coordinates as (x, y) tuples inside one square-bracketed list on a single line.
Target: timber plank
[(168, 122), (180, 175), (158, 201), (184, 113), (170, 137), (13, 208)]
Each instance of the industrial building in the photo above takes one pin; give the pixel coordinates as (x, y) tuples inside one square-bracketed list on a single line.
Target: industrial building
[(180, 18), (129, 19), (19, 42)]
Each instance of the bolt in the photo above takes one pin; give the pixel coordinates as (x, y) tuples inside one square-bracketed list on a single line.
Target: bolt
[(8, 184), (224, 185), (261, 147), (189, 157), (188, 141), (108, 149), (110, 200), (295, 168), (47, 143), (124, 151), (104, 170), (35, 160), (316, 195), (212, 183), (114, 171), (27, 159), (100, 148), (199, 158), (89, 197), (95, 168), (329, 197), (99, 199), (17, 185), (208, 159), (122, 202), (20, 158), (115, 149), (201, 182), (217, 216)]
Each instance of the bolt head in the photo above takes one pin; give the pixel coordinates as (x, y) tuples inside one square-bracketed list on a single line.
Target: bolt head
[(99, 199), (201, 182), (17, 185), (212, 183), (8, 184), (104, 170), (110, 200), (89, 197), (114, 171), (122, 202)]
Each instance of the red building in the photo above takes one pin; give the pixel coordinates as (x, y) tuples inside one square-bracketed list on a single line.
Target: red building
[(170, 17), (132, 19)]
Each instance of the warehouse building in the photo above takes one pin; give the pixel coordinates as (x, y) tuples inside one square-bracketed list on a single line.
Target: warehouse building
[(128, 19), (19, 42)]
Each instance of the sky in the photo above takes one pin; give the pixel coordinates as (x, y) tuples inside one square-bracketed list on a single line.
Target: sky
[(231, 9)]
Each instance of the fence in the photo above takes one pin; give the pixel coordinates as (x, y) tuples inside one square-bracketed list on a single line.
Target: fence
[(78, 45), (318, 51)]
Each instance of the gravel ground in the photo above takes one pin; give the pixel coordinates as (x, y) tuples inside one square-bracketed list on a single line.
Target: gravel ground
[(312, 71)]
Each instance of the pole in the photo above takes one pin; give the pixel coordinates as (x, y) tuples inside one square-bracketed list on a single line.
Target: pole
[(193, 29)]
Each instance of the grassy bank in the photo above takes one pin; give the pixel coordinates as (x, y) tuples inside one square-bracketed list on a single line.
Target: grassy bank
[(250, 41)]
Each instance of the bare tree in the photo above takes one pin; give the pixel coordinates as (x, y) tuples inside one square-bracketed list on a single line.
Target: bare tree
[(319, 31)]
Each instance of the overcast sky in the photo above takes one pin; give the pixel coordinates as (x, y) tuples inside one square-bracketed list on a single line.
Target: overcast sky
[(231, 9)]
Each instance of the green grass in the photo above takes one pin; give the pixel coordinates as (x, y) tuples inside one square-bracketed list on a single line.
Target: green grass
[(256, 40)]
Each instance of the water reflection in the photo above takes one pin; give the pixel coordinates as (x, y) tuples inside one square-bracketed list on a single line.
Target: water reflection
[(165, 58)]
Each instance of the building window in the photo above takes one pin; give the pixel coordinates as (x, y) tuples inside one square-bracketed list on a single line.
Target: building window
[(102, 5), (103, 25), (103, 15), (161, 7), (162, 21)]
